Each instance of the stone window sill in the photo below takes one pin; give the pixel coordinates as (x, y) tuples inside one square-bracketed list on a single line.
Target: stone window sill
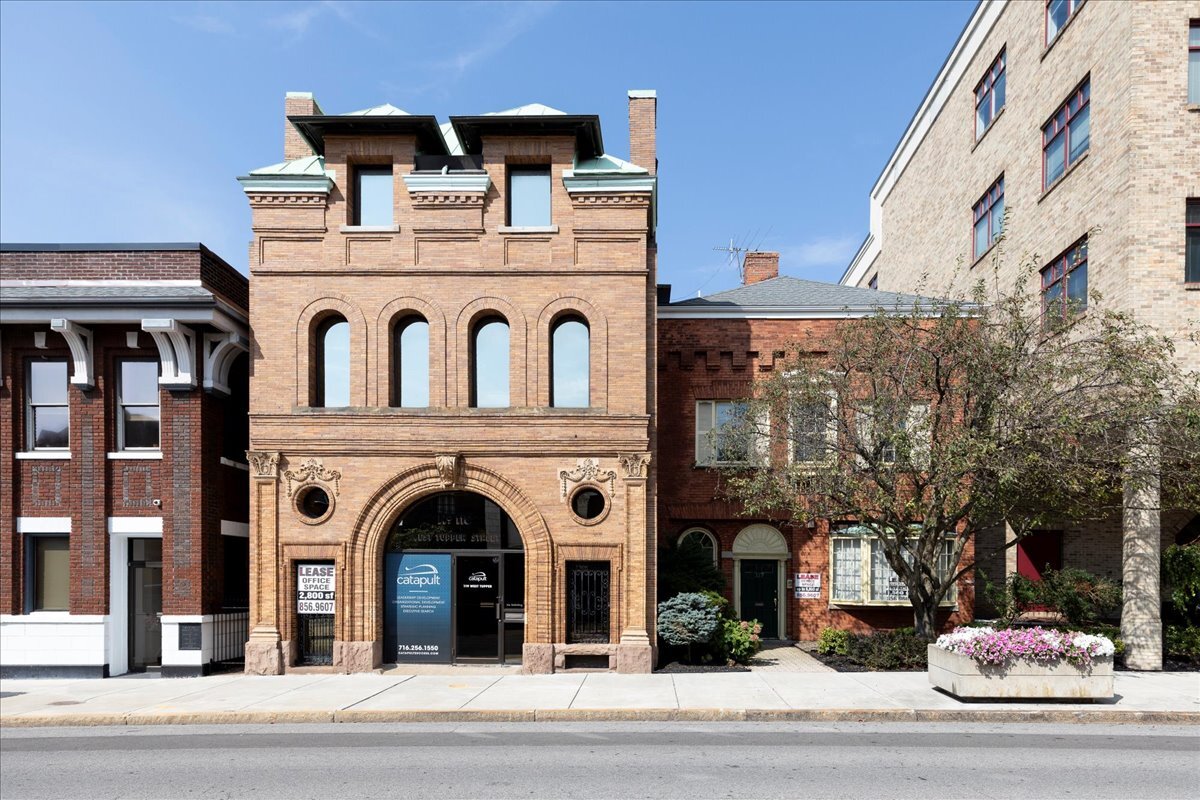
[(1194, 107), (369, 229), (985, 253), (1063, 177), (510, 230), (136, 455), (1187, 287), (1059, 35), (43, 455)]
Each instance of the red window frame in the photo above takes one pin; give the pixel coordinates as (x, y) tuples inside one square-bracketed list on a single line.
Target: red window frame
[(1059, 271), (984, 91), (982, 209), (1060, 125), (1191, 228), (1193, 25), (1072, 9)]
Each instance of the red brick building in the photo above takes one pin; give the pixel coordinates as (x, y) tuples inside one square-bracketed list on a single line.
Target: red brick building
[(710, 350), (123, 514)]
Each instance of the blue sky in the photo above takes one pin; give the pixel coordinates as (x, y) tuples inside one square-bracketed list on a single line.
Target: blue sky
[(129, 122)]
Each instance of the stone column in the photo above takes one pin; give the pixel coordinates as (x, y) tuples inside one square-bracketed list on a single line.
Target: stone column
[(263, 653), (635, 651), (1141, 616)]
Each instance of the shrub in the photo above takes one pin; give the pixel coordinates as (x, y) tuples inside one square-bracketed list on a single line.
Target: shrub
[(1182, 642), (687, 619), (740, 640), (833, 642), (900, 649), (685, 569), (1081, 597), (1181, 568)]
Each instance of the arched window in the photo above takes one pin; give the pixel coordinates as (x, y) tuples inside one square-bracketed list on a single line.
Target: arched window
[(489, 363), (702, 539), (333, 363), (410, 363), (570, 363)]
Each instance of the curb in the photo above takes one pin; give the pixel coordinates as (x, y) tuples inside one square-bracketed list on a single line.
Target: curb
[(1098, 716)]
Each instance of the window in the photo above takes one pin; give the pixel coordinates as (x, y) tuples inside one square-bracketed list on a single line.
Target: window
[(1064, 282), (570, 356), (333, 363), (410, 363), (989, 96), (1065, 138), (137, 403), (874, 282), (1192, 259), (489, 364), (373, 196), (701, 540), (722, 435), (989, 218), (48, 573), (814, 436), (1194, 62), (909, 443), (528, 197), (47, 411), (863, 576), (1058, 12)]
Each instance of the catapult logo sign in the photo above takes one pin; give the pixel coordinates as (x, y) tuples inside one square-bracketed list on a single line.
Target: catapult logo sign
[(417, 608)]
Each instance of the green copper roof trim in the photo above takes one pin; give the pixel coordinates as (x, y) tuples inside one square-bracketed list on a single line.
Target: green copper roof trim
[(286, 183), (609, 182)]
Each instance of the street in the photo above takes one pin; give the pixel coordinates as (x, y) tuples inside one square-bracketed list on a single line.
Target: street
[(659, 760)]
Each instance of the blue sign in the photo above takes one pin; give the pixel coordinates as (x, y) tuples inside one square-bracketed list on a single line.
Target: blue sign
[(416, 598)]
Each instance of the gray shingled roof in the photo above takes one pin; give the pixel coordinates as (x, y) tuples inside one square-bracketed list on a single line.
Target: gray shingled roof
[(789, 292), (99, 295)]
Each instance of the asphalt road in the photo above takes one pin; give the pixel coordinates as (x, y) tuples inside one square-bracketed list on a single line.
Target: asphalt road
[(677, 760)]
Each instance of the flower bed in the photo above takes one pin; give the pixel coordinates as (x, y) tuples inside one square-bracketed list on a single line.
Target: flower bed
[(1025, 663)]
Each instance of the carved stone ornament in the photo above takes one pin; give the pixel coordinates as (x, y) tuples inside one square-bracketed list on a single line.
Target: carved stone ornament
[(312, 471), (634, 465), (587, 469), (448, 467), (263, 464)]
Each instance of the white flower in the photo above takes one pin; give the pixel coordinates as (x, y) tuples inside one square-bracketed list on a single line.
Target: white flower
[(959, 640), (1104, 645)]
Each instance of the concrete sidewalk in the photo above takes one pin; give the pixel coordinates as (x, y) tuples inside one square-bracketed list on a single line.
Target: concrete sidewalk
[(477, 695)]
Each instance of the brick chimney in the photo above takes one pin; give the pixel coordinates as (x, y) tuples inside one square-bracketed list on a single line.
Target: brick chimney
[(759, 267), (643, 128), (297, 104)]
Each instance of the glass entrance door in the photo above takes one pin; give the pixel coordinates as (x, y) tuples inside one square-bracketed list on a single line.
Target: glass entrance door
[(477, 610), (145, 604), (760, 595)]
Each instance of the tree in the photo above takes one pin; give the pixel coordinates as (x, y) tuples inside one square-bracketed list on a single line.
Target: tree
[(924, 425)]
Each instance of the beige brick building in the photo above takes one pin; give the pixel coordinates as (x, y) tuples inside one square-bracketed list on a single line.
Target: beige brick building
[(452, 383), (1078, 120)]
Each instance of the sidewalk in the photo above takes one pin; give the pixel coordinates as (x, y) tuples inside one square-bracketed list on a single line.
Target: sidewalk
[(476, 695)]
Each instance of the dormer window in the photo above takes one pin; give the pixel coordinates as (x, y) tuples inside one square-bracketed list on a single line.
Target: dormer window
[(529, 197), (373, 196)]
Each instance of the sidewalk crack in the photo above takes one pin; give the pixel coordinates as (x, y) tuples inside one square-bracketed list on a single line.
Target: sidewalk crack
[(376, 694)]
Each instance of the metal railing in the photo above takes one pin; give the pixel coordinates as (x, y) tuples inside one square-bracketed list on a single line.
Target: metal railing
[(231, 629)]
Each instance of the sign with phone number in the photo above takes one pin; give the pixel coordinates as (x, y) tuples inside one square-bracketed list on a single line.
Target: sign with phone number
[(315, 588)]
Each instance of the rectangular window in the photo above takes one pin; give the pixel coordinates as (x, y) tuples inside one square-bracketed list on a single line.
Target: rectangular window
[(1058, 13), (989, 96), (48, 573), (373, 196), (1064, 282), (137, 405), (814, 436), (1065, 138), (912, 429), (863, 576), (847, 570), (722, 434), (1192, 257), (528, 197), (989, 218), (46, 406), (1194, 62)]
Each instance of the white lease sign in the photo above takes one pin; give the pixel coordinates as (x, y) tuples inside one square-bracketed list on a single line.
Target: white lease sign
[(314, 588), (808, 585)]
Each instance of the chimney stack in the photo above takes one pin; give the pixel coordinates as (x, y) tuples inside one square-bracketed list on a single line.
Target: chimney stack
[(643, 128), (297, 104), (759, 267)]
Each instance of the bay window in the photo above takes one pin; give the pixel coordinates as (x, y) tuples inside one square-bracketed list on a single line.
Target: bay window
[(861, 574)]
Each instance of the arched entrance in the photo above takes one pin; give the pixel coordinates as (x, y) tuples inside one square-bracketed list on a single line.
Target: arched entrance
[(759, 556), (453, 582)]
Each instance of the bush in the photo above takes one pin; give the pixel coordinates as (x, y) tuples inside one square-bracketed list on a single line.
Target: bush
[(687, 619), (687, 569), (900, 649), (740, 640), (1181, 568), (833, 642), (1081, 597), (1182, 642)]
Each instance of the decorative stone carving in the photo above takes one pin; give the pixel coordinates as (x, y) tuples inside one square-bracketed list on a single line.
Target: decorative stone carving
[(587, 469), (287, 199), (263, 464), (469, 199), (79, 340), (641, 199), (634, 465), (175, 349), (312, 471), (449, 467), (46, 485)]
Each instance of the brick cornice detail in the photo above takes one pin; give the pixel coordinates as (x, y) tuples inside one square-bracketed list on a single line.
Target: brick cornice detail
[(435, 199), (630, 200), (280, 199)]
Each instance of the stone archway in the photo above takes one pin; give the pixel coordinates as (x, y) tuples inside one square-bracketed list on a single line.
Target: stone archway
[(362, 607)]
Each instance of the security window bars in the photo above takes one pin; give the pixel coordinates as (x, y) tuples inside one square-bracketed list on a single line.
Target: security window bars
[(528, 197), (989, 218), (1194, 62), (1064, 282), (46, 405), (137, 405), (989, 96), (373, 196), (1066, 137), (1192, 258), (1058, 14)]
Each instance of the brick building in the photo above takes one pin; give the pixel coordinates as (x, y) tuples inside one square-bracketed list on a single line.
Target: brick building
[(710, 351), (123, 517), (452, 392), (1080, 121)]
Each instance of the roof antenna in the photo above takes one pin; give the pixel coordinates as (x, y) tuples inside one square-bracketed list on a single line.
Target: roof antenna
[(735, 252)]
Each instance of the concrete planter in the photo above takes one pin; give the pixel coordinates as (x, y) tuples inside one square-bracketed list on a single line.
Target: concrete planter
[(963, 677)]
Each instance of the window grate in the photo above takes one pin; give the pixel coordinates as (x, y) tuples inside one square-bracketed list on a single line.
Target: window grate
[(588, 596)]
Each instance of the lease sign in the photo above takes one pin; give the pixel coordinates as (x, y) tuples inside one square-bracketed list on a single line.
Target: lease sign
[(314, 588)]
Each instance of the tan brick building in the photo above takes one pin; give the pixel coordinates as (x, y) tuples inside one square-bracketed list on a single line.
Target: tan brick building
[(1077, 119), (453, 397)]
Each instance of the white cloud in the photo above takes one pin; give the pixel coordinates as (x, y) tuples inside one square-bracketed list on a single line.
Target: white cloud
[(297, 21), (821, 251)]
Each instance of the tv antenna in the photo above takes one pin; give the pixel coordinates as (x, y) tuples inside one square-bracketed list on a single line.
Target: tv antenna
[(734, 252)]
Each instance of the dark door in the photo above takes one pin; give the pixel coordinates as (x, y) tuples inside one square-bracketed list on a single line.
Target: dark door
[(477, 611), (1038, 552), (588, 601), (145, 604), (760, 595)]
